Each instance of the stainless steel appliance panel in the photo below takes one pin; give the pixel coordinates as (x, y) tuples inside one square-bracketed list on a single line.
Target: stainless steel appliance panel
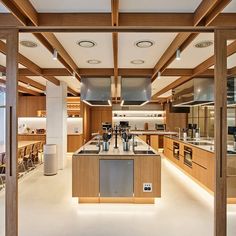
[(116, 178), (188, 156)]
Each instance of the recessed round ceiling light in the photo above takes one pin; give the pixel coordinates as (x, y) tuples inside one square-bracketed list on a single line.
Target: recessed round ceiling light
[(28, 44), (144, 43), (137, 62), (203, 44), (86, 43), (93, 61)]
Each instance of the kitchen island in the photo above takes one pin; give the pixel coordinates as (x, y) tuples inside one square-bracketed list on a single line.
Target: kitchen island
[(197, 159), (116, 176)]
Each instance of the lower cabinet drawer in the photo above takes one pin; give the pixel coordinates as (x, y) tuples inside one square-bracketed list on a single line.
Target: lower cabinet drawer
[(200, 173)]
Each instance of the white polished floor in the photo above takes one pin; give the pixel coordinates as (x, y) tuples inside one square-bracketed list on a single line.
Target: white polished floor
[(47, 209)]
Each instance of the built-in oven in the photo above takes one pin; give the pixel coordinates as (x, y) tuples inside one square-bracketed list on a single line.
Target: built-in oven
[(176, 150), (188, 156)]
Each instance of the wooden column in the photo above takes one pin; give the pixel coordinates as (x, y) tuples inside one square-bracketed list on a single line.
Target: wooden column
[(220, 134), (11, 134)]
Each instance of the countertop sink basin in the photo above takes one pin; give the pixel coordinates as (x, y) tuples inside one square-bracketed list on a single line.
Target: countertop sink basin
[(144, 152), (88, 152)]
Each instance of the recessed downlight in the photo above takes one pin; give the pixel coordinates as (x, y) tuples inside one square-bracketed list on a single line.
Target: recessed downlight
[(93, 61), (144, 43), (86, 43), (137, 62), (28, 44), (203, 44)]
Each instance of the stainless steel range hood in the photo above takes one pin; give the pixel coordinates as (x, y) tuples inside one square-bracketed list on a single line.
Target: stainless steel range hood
[(96, 91), (198, 91), (135, 91)]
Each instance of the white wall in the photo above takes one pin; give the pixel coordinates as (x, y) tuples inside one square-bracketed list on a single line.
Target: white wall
[(73, 123)]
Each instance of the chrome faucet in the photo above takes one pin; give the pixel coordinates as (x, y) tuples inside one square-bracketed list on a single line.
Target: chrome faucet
[(99, 142), (133, 142), (179, 131)]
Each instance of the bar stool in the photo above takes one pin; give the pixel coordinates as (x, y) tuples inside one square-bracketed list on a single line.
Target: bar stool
[(40, 151), (2, 168)]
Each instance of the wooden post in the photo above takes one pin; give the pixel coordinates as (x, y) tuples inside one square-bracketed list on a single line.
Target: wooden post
[(220, 134), (11, 134)]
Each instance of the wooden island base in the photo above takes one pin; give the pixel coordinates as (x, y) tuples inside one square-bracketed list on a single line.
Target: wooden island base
[(129, 200)]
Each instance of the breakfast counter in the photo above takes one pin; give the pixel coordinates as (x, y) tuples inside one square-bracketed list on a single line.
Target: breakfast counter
[(116, 175)]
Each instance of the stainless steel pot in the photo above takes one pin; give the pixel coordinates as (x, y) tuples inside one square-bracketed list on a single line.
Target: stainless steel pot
[(105, 146), (126, 146)]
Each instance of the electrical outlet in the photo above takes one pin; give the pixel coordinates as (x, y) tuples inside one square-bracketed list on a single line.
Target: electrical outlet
[(147, 187)]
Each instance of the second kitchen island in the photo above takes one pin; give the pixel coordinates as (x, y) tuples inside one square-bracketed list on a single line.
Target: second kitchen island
[(116, 176)]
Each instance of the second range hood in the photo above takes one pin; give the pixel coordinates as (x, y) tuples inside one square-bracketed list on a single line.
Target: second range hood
[(96, 91), (135, 91), (198, 91)]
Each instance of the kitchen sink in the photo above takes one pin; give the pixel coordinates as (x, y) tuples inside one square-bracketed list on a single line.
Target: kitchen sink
[(144, 152), (88, 152)]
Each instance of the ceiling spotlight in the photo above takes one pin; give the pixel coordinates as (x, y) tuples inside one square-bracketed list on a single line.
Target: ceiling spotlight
[(158, 75), (137, 62), (74, 75), (28, 44), (86, 43), (178, 58), (203, 44), (55, 55), (93, 61), (144, 43)]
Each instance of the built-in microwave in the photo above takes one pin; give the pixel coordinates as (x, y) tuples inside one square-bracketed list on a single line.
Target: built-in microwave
[(188, 156), (176, 150)]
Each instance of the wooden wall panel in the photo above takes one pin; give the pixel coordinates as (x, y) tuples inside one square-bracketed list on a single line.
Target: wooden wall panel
[(175, 120)]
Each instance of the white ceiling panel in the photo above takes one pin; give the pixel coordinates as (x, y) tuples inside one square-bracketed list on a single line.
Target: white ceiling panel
[(3, 9), (72, 5), (128, 51), (39, 55), (102, 51), (159, 5), (231, 61), (161, 83), (192, 56), (71, 82), (231, 8)]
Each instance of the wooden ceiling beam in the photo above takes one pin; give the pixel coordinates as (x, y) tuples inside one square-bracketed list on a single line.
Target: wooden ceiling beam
[(30, 65), (72, 92), (29, 91), (32, 83), (125, 19), (207, 8), (198, 70), (31, 14)]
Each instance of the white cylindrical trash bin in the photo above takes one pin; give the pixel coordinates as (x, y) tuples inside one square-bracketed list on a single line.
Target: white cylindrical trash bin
[(50, 159)]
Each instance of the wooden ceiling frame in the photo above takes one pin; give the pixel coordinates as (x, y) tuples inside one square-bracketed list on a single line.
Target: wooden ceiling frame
[(115, 22), (125, 19), (23, 89), (231, 49), (29, 16), (206, 12)]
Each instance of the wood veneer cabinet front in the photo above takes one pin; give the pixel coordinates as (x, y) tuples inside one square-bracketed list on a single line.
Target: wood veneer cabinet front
[(30, 105), (98, 116), (74, 142), (203, 162), (85, 176)]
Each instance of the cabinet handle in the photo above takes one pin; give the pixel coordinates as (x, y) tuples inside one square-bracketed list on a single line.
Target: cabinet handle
[(221, 154), (10, 140)]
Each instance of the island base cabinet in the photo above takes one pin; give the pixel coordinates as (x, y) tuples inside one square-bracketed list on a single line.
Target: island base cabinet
[(147, 170), (85, 176)]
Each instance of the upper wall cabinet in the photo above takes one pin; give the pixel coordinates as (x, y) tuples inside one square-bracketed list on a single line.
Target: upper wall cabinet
[(29, 106)]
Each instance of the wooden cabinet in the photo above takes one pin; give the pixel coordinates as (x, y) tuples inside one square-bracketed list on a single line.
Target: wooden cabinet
[(98, 116), (30, 105), (32, 137), (74, 142), (143, 137), (157, 141), (85, 176), (147, 170), (203, 163)]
